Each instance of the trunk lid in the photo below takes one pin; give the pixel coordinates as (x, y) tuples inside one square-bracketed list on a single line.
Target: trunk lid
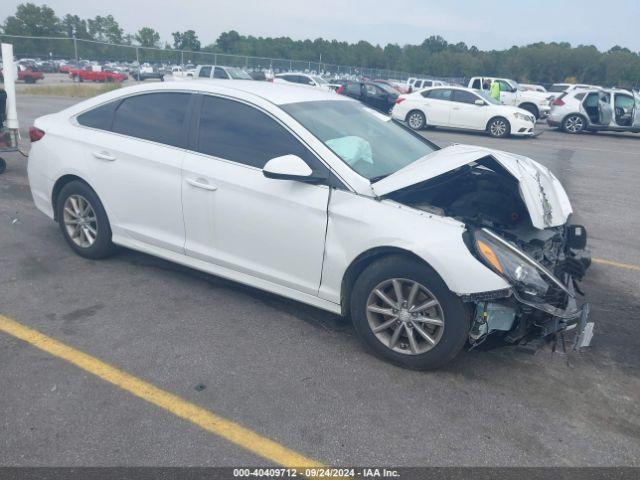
[(542, 193)]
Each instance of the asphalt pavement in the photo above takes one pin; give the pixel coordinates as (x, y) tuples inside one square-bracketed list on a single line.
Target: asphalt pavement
[(298, 375)]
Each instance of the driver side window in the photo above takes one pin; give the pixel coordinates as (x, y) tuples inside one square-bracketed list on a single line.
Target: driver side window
[(235, 131), (220, 73)]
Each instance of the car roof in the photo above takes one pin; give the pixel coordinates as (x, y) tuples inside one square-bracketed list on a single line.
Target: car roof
[(276, 93)]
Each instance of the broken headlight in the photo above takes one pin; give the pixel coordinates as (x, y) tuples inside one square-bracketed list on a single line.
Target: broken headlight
[(523, 272)]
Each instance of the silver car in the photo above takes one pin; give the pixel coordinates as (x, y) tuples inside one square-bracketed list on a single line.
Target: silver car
[(596, 109)]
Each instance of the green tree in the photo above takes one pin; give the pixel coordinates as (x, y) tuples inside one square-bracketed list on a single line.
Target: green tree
[(31, 19), (147, 37), (186, 41)]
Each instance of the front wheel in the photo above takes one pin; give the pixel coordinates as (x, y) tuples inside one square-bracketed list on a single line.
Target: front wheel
[(83, 221), (499, 127), (532, 109), (574, 124), (416, 120), (404, 312)]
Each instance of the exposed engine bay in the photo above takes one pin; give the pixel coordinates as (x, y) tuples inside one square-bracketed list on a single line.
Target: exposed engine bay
[(487, 198)]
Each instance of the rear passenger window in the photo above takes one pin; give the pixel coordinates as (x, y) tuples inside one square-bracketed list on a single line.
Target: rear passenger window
[(158, 117), (99, 117), (234, 131), (205, 72)]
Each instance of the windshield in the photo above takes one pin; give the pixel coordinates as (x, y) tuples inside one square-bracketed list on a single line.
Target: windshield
[(369, 142), (237, 74), (487, 98)]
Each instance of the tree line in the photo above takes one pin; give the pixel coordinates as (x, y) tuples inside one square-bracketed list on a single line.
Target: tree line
[(538, 62)]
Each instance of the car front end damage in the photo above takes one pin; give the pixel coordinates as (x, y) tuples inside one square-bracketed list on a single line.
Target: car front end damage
[(543, 271), (518, 224)]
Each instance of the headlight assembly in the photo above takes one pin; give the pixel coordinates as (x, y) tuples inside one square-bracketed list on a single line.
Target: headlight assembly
[(523, 272), (522, 116)]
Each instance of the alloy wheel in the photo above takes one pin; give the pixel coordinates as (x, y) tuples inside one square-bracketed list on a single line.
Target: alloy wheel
[(415, 121), (498, 128), (574, 124), (405, 316), (80, 221)]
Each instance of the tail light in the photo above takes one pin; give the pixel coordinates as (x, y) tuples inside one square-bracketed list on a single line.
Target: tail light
[(340, 89), (558, 101), (400, 100), (35, 134)]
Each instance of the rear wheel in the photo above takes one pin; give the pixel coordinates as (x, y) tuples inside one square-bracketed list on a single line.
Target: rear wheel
[(416, 120), (83, 221), (574, 123), (405, 313), (499, 127)]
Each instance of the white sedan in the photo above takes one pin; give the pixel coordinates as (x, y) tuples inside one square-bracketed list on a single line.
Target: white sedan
[(315, 197), (464, 108)]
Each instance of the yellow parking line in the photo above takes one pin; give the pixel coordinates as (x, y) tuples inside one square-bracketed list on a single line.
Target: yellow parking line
[(611, 263), (231, 431)]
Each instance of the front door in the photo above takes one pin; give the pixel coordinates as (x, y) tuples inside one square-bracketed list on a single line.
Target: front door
[(465, 113), (237, 218)]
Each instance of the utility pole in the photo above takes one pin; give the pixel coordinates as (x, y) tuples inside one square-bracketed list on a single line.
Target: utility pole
[(75, 47), (182, 58)]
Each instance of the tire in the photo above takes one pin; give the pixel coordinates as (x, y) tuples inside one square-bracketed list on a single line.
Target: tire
[(3, 166), (101, 247), (499, 127), (574, 123), (29, 80), (531, 108), (449, 338), (416, 120)]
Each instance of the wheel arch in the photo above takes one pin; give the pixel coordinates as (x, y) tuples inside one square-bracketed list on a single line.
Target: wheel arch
[(535, 107), (496, 117), (362, 261), (416, 109), (59, 185)]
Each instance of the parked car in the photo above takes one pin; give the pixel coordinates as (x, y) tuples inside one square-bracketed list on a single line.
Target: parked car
[(315, 197), (464, 108), (221, 72), (375, 95), (536, 103), (596, 109), (304, 79), (26, 74), (397, 86), (95, 73), (178, 72), (147, 73), (420, 83), (261, 75)]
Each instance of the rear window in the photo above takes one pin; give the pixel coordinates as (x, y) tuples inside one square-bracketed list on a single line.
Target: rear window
[(99, 117), (158, 117)]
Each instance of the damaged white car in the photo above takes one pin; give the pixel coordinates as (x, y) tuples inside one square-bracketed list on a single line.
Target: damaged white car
[(314, 197)]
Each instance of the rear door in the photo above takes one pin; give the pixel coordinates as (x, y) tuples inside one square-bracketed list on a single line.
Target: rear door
[(237, 218), (508, 96), (437, 104), (136, 167), (465, 113)]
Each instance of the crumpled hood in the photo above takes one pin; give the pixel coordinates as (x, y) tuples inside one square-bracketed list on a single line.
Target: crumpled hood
[(542, 193)]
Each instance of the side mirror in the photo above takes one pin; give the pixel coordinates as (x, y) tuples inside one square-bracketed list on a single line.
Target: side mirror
[(290, 167), (480, 103)]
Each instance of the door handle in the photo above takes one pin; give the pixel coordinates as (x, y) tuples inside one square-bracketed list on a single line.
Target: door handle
[(104, 156), (201, 183), (455, 108)]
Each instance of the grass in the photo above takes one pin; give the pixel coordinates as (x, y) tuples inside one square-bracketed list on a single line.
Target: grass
[(68, 90)]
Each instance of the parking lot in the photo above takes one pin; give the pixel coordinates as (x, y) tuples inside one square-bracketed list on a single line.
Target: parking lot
[(297, 375)]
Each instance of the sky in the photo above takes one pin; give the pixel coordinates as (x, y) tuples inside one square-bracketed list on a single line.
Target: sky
[(497, 24)]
